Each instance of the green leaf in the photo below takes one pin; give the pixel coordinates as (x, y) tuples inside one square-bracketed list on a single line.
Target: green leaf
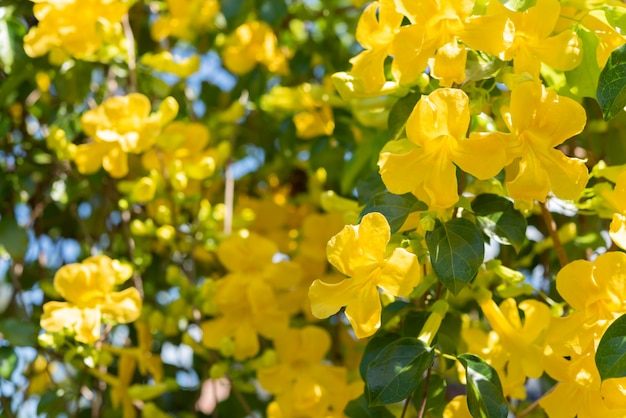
[(481, 66), (518, 5), (583, 80), (272, 11), (399, 114), (362, 163), (19, 333), (369, 187), (8, 362), (612, 84), (13, 238), (379, 341), (397, 370), (611, 353), (396, 208), (358, 408), (499, 219), (456, 252), (484, 390)]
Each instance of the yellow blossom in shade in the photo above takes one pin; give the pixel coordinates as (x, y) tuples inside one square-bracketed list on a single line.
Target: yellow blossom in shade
[(581, 392), (434, 32), (436, 131), (358, 251), (540, 120), (525, 37), (616, 199), (185, 19), (596, 291), (304, 385), (165, 62), (76, 27), (250, 44), (88, 288), (524, 342), (121, 125), (243, 317), (375, 32)]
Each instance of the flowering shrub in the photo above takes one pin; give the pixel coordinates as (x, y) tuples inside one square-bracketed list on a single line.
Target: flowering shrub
[(396, 208)]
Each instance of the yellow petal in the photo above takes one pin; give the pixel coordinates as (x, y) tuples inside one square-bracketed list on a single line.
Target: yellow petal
[(490, 34), (401, 173), (341, 247), (617, 230), (363, 311), (400, 273), (246, 341), (442, 188), (328, 298), (124, 306), (443, 112), (575, 284), (531, 181), (562, 52), (449, 64), (115, 162), (568, 176), (57, 315), (410, 54), (609, 273), (466, 154), (368, 68), (276, 379), (372, 239)]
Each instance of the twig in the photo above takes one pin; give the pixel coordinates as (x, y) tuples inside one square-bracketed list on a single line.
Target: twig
[(534, 405), (132, 57), (425, 394), (551, 225), (406, 405)]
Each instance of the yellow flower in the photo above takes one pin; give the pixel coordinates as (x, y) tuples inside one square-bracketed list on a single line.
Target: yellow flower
[(525, 37), (181, 153), (243, 316), (358, 251), (304, 385), (581, 393), (523, 342), (436, 131), (617, 201), (121, 125), (434, 32), (250, 44), (540, 120), (186, 19), (375, 32), (77, 27), (88, 287)]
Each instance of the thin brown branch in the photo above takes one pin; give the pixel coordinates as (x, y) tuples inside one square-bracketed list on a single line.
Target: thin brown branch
[(552, 229)]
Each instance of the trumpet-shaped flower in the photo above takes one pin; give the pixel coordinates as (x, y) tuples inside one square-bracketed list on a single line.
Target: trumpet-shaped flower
[(581, 392), (524, 342), (525, 37), (303, 384), (243, 318), (250, 44), (375, 32), (436, 131), (434, 32), (76, 27), (540, 120), (358, 251), (121, 125), (597, 292), (88, 288)]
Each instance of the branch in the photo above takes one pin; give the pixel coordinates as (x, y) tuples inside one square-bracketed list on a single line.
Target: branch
[(551, 225), (132, 57)]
